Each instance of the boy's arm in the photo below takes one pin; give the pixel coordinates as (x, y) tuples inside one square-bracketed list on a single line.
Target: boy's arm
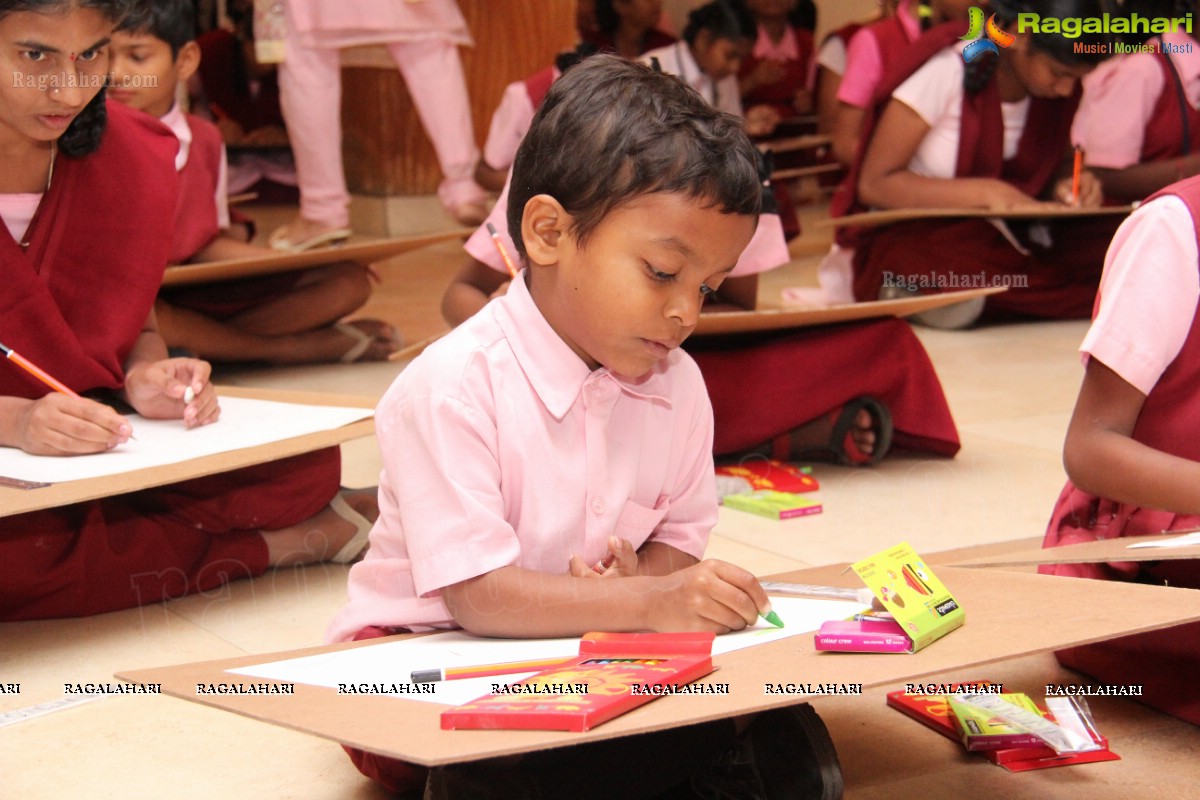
[(1102, 459), (512, 602)]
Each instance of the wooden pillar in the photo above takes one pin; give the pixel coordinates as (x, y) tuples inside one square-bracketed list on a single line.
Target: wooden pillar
[(385, 149)]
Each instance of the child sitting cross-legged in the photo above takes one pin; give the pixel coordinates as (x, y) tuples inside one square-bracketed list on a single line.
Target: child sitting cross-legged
[(562, 427), (292, 317)]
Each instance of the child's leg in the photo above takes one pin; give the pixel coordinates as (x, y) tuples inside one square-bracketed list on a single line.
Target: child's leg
[(220, 341), (434, 76), (310, 94), (319, 298)]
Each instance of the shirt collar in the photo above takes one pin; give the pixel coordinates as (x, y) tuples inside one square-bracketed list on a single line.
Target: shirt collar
[(555, 371), (176, 120), (787, 49)]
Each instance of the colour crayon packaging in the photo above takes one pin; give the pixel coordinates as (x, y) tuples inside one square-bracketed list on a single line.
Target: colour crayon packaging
[(907, 587), (614, 672), (770, 474), (933, 711), (772, 504)]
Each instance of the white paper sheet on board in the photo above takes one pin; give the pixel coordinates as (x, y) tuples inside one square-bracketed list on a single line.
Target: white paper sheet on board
[(394, 662)]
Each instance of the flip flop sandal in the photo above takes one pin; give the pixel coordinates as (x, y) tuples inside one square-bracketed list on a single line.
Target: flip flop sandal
[(362, 341), (842, 448), (281, 243), (353, 549)]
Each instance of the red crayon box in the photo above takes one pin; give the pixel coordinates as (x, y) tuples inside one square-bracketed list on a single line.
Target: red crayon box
[(614, 672)]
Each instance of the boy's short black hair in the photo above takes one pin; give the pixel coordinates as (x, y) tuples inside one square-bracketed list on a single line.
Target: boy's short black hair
[(172, 21), (723, 19), (611, 130)]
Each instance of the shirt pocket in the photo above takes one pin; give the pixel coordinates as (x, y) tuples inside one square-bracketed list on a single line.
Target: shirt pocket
[(636, 522)]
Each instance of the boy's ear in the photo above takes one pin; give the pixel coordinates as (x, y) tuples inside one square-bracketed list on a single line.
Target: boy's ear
[(544, 227), (187, 61)]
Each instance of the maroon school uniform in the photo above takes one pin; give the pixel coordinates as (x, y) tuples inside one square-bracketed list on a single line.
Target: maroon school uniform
[(762, 386), (1165, 661), (1170, 118), (75, 303), (196, 226), (781, 94), (1060, 279)]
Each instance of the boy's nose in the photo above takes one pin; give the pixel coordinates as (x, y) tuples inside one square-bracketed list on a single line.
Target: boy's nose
[(685, 308)]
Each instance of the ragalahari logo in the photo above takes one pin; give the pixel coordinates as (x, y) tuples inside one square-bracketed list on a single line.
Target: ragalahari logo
[(978, 31)]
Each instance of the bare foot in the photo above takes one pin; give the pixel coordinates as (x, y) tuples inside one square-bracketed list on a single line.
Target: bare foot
[(816, 435), (321, 536)]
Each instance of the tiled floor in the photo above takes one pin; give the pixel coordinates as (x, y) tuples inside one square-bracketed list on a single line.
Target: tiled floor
[(1011, 389)]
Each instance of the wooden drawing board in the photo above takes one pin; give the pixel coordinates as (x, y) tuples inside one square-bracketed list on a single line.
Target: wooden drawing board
[(872, 219), (1008, 615), (270, 263), (771, 319), (1089, 553), (19, 501)]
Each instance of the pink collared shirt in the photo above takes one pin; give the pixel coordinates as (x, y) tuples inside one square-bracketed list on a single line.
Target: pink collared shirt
[(500, 447), (1119, 98)]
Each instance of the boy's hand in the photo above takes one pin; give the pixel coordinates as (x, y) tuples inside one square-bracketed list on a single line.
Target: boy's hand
[(160, 390), (621, 562), (58, 425), (710, 596)]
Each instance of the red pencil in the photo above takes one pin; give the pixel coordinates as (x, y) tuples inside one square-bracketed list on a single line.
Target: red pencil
[(37, 372)]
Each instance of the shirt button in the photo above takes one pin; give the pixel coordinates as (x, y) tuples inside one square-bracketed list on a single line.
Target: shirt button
[(599, 506)]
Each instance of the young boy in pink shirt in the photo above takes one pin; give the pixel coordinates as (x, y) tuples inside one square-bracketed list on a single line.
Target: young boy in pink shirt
[(548, 464)]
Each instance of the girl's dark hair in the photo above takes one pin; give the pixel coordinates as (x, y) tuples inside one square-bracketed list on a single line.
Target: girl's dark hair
[(723, 19), (607, 18), (84, 133), (1095, 47), (171, 21), (610, 131), (804, 15), (113, 9)]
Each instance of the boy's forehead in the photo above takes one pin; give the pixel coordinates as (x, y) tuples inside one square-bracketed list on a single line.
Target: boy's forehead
[(137, 39)]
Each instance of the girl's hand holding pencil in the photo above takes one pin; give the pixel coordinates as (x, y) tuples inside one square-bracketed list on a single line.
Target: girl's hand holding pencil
[(174, 388), (68, 425)]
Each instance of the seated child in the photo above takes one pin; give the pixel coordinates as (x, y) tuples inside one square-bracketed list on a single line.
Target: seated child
[(991, 133), (512, 117), (87, 193), (292, 317), (1132, 460), (628, 27), (1138, 123), (777, 69), (562, 427), (872, 52)]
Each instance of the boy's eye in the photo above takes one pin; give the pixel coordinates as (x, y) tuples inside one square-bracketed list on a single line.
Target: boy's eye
[(659, 276), (34, 55), (88, 55)]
